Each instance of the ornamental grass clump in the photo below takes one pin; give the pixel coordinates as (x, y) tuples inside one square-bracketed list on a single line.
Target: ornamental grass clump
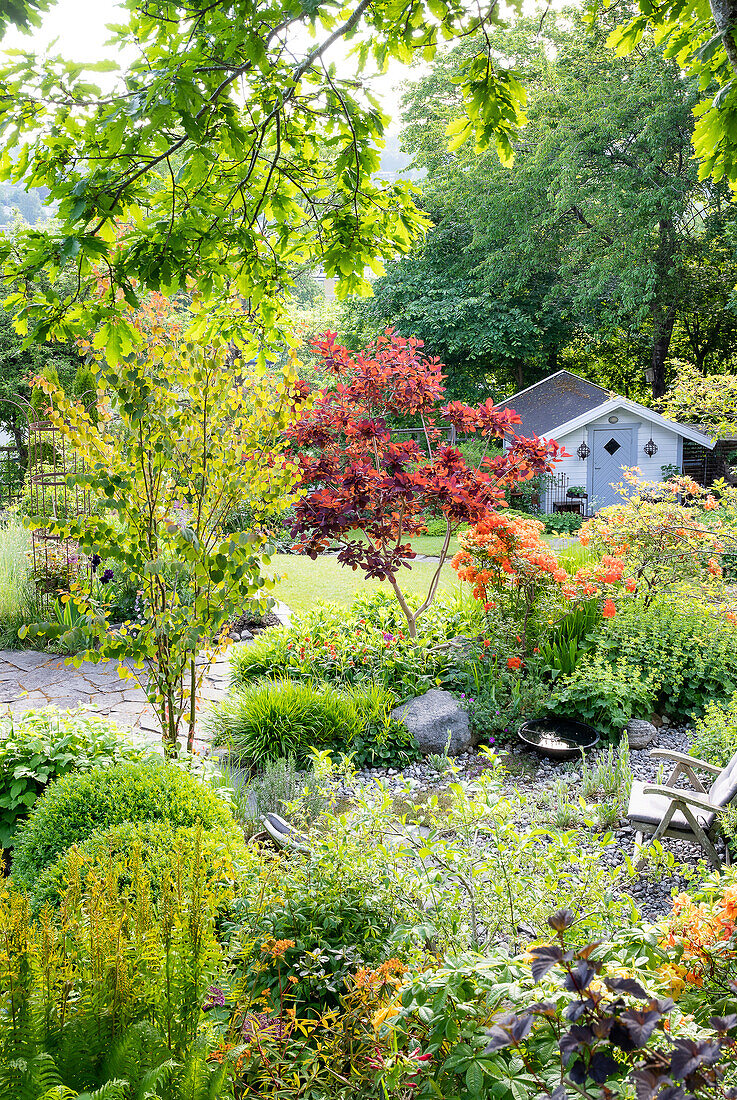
[(282, 718)]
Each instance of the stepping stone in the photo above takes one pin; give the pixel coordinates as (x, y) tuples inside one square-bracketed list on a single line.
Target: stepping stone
[(9, 691), (24, 659)]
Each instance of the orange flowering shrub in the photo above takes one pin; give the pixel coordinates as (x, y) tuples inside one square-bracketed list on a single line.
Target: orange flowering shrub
[(701, 932), (507, 561), (506, 553), (660, 535)]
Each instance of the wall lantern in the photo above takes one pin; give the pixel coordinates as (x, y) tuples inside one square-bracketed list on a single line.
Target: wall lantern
[(583, 451), (650, 448)]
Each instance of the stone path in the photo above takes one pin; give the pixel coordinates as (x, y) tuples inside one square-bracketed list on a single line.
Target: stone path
[(29, 679)]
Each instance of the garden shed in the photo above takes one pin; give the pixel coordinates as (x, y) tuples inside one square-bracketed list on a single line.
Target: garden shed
[(602, 432)]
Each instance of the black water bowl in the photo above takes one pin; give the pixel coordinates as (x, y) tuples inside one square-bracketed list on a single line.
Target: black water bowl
[(560, 738)]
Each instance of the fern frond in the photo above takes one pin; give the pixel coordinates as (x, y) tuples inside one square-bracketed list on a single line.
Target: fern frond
[(29, 1078), (148, 1089), (200, 1080), (60, 1092), (111, 1090), (140, 1049)]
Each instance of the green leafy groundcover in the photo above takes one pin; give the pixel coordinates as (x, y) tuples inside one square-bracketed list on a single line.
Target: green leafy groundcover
[(367, 642), (684, 649)]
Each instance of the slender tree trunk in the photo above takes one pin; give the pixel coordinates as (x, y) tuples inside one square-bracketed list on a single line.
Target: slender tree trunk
[(665, 306), (192, 705), (663, 322)]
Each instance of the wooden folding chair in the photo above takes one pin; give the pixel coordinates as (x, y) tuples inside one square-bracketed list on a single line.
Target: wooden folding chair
[(670, 811)]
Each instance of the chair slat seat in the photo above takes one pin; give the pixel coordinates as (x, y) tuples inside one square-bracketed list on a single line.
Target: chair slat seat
[(672, 811), (650, 809)]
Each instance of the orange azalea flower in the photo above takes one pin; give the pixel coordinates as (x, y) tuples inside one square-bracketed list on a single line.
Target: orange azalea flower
[(630, 584), (514, 663), (609, 610)]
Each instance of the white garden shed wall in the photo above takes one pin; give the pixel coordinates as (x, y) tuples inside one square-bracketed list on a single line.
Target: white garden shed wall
[(572, 411)]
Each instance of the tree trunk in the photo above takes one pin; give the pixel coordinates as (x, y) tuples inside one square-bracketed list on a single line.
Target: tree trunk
[(663, 322), (725, 17), (665, 306)]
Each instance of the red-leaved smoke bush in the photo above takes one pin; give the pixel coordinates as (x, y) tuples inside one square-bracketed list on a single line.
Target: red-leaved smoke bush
[(360, 477)]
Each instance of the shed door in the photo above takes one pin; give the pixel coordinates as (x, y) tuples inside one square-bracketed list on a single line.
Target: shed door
[(613, 448)]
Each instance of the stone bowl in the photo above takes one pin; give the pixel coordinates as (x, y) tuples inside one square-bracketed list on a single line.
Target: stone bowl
[(558, 738)]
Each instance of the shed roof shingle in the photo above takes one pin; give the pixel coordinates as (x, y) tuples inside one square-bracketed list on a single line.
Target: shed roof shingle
[(554, 401)]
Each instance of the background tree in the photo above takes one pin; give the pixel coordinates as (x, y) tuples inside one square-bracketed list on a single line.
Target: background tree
[(231, 150), (600, 235), (15, 200)]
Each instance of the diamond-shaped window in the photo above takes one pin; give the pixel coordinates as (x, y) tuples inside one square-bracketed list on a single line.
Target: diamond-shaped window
[(612, 446)]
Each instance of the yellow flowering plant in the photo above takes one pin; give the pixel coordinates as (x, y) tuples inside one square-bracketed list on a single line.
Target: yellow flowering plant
[(667, 534)]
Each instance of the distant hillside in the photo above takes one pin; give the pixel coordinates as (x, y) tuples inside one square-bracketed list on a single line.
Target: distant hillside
[(30, 204), (394, 163)]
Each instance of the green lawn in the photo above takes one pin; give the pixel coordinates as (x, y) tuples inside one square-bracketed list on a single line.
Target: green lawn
[(423, 544), (305, 582)]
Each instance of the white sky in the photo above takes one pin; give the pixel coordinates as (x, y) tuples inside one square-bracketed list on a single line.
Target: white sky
[(78, 24), (80, 29)]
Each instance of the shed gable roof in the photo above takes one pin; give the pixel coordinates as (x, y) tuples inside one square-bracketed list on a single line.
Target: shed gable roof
[(615, 404), (555, 400), (563, 403)]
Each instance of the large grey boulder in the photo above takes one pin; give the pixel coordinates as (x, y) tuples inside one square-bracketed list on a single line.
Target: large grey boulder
[(640, 733), (430, 717)]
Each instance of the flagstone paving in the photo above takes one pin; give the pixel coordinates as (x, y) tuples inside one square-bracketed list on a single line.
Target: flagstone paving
[(29, 679)]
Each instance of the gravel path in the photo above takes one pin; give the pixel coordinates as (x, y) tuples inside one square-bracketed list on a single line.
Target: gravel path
[(652, 890)]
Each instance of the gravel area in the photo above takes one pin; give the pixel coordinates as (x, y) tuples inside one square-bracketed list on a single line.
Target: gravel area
[(652, 890)]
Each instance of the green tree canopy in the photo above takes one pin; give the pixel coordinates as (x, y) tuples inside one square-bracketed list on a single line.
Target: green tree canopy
[(230, 154), (601, 234)]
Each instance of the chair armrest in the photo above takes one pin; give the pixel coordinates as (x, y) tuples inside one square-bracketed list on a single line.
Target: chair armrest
[(683, 758), (677, 795)]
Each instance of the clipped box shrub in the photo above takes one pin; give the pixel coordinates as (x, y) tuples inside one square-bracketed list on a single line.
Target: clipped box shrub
[(78, 805), (42, 745)]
